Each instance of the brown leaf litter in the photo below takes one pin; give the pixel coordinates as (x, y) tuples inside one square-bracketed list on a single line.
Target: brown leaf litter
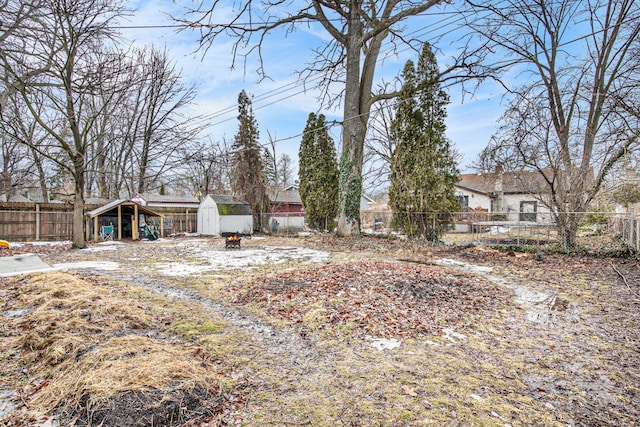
[(389, 299)]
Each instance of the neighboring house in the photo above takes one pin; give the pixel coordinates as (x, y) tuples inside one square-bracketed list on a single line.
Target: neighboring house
[(509, 195), (219, 214), (287, 212), (18, 198), (366, 202), (377, 216)]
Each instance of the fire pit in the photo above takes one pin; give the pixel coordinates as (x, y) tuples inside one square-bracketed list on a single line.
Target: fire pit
[(232, 241)]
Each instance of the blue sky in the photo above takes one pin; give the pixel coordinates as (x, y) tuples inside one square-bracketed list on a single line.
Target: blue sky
[(281, 105)]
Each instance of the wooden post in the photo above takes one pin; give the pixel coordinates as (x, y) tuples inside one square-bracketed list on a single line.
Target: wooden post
[(134, 223), (119, 222), (37, 221), (96, 231)]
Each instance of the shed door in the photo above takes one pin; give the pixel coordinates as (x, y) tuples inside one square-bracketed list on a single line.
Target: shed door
[(210, 220)]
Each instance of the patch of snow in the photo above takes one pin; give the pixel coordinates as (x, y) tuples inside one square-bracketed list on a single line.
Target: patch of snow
[(453, 336), (463, 266), (6, 405), (215, 259), (476, 397), (17, 313), (104, 246), (537, 303), (383, 343), (88, 265), (41, 243)]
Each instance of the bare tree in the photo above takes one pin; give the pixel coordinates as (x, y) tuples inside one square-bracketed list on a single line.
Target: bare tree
[(144, 130), (22, 165), (378, 148), (19, 21), (13, 166), (60, 63), (207, 169), (357, 30), (579, 60), (284, 170), (162, 126)]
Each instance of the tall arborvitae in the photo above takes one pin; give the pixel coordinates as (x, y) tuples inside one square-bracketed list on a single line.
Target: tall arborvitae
[(318, 173), (249, 181), (423, 168)]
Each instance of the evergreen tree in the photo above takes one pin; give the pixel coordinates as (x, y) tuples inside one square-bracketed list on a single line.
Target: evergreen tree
[(249, 181), (318, 170), (423, 168)]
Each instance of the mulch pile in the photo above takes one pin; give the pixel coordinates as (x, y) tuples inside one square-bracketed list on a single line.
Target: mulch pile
[(96, 357), (375, 298)]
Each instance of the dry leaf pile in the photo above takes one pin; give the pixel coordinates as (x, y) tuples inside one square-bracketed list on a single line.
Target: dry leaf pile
[(390, 299)]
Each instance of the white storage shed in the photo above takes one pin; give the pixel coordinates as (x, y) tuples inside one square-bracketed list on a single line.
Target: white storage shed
[(220, 214)]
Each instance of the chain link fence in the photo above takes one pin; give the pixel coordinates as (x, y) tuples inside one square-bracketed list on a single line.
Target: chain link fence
[(597, 230)]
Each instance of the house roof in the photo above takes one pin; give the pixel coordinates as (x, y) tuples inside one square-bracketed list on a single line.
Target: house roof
[(518, 182), (289, 195), (230, 205), (18, 198), (164, 199), (109, 206)]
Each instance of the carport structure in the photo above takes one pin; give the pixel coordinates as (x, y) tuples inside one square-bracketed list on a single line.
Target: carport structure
[(127, 217)]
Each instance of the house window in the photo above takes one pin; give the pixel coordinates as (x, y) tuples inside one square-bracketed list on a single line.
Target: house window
[(464, 201), (529, 211)]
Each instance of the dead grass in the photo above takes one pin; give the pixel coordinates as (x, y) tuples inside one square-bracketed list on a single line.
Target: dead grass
[(577, 366), (82, 342)]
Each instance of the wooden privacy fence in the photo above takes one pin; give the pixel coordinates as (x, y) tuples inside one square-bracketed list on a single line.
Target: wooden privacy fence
[(26, 224), (23, 222)]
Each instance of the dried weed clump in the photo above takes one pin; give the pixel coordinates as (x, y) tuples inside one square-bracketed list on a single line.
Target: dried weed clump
[(83, 343)]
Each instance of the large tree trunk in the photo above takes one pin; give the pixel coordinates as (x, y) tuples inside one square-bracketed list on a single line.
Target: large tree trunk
[(353, 135), (78, 205)]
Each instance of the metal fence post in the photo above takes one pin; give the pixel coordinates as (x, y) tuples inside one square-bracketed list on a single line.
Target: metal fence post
[(632, 215), (637, 234)]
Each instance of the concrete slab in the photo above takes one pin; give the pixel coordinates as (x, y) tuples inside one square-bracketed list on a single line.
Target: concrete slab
[(22, 264)]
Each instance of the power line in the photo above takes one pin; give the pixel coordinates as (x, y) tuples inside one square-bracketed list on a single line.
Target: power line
[(451, 19), (244, 24), (423, 31)]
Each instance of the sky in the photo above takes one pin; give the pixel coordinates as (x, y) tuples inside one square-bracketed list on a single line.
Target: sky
[(281, 104)]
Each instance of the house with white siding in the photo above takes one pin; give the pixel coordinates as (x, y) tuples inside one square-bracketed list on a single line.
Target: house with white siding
[(512, 195)]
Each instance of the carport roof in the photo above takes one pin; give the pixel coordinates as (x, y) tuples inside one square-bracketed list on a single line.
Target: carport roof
[(106, 208)]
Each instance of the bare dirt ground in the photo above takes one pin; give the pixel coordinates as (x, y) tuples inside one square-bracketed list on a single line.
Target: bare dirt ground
[(319, 331)]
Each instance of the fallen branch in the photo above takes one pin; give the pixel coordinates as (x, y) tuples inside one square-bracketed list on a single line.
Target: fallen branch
[(624, 279)]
